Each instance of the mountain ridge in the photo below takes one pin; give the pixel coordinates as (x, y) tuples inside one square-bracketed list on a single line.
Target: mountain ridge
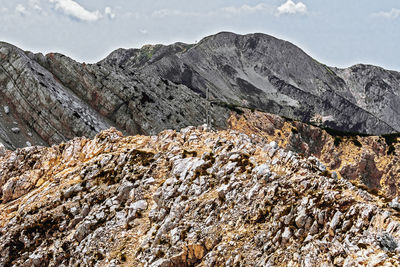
[(344, 94), (160, 188), (159, 87), (193, 197)]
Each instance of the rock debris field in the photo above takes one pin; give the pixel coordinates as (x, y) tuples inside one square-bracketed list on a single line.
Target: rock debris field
[(190, 198)]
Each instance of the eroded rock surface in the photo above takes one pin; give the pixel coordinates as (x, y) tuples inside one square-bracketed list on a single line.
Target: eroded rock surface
[(194, 197), (37, 108), (262, 72), (370, 161), (52, 98), (49, 99)]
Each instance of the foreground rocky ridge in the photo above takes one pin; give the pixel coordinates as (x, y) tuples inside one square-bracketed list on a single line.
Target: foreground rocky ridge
[(370, 161), (48, 99), (194, 197)]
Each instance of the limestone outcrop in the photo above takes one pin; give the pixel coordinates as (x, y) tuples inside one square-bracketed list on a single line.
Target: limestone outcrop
[(370, 161), (193, 197)]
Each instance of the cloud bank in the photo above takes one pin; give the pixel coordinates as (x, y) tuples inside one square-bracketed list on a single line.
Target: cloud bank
[(229, 11), (392, 14), (162, 13), (109, 13), (74, 10), (35, 5), (245, 9), (21, 10), (291, 7)]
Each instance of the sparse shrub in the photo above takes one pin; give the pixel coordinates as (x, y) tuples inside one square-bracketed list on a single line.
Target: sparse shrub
[(356, 142), (337, 140), (391, 150), (122, 257)]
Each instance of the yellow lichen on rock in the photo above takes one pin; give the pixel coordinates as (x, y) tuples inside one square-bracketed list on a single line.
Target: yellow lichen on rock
[(193, 197)]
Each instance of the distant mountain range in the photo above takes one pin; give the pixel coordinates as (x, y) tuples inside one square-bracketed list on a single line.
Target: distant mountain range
[(52, 98)]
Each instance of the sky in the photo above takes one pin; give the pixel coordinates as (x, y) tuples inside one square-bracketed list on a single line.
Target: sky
[(339, 33)]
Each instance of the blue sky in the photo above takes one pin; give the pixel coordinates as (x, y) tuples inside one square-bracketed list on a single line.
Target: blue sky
[(338, 33)]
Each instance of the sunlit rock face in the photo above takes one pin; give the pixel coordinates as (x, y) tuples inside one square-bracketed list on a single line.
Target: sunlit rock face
[(371, 162), (192, 197), (296, 186)]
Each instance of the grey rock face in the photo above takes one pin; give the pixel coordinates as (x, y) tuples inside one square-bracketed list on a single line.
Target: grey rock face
[(38, 102), (135, 102), (395, 204), (15, 130), (53, 98), (387, 242), (260, 71), (2, 150)]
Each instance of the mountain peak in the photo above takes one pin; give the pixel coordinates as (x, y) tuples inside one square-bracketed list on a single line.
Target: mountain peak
[(254, 71), (239, 150)]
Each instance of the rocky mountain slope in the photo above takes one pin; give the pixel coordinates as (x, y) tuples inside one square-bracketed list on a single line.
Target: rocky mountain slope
[(371, 162), (189, 198), (262, 72), (52, 98)]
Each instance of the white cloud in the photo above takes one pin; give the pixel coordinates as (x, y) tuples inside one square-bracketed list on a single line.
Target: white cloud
[(109, 12), (392, 14), (245, 9), (162, 13), (35, 5), (76, 11), (291, 7), (230, 11), (168, 13), (143, 31), (21, 10)]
